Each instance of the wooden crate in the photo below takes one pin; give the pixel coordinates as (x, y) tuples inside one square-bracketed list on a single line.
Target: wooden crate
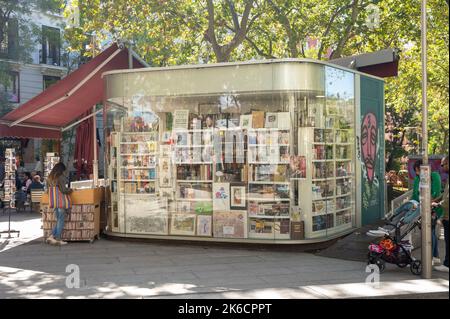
[(82, 196), (83, 221)]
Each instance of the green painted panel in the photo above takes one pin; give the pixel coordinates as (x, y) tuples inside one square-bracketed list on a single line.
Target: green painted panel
[(371, 150)]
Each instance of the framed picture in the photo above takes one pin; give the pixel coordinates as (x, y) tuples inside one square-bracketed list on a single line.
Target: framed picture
[(181, 119), (204, 225), (246, 121), (147, 218), (221, 196), (230, 224), (183, 224), (271, 120), (184, 207), (165, 150), (165, 172), (166, 193), (238, 199)]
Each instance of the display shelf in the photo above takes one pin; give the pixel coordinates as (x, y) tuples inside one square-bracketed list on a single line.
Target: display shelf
[(136, 143), (269, 182), (189, 146), (251, 199), (270, 163), (138, 167), (268, 158), (323, 198), (270, 217), (138, 180), (139, 154), (194, 199), (275, 144), (51, 159), (192, 163), (138, 133), (324, 163), (268, 236), (344, 195), (322, 179), (194, 181), (267, 129), (343, 209), (344, 177)]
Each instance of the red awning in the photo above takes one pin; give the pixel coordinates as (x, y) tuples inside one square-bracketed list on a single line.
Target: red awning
[(28, 132), (64, 102)]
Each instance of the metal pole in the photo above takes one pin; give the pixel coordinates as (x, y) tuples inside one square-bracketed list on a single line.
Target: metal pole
[(130, 56), (425, 191), (94, 136), (94, 130)]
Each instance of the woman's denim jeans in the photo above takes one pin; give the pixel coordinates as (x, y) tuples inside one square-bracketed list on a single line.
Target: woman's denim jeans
[(434, 242), (60, 214)]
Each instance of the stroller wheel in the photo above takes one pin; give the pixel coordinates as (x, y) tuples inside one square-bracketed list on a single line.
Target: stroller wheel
[(416, 267), (381, 264), (376, 260), (371, 258)]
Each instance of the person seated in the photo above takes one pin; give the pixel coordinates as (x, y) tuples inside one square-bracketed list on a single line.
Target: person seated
[(36, 184)]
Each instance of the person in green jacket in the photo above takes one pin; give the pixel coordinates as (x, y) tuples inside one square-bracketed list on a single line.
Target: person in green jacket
[(444, 203), (436, 189)]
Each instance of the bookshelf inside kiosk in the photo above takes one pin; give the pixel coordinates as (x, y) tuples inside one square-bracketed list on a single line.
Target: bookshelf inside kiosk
[(253, 152)]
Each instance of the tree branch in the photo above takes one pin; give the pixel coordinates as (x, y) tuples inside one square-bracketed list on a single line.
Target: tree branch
[(259, 51), (328, 29), (338, 51), (292, 35), (241, 33), (210, 34), (233, 15)]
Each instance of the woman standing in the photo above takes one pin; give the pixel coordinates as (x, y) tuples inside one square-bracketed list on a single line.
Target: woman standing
[(59, 200)]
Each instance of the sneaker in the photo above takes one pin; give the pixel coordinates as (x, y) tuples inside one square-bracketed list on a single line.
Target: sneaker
[(441, 268), (61, 242), (436, 261), (51, 240)]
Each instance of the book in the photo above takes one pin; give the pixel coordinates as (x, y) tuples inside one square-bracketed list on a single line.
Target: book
[(284, 120), (246, 121), (271, 120), (297, 230), (258, 119)]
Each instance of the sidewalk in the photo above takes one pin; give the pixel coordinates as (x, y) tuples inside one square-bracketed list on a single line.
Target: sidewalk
[(119, 269)]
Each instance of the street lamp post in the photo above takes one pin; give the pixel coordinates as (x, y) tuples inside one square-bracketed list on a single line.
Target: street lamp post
[(425, 192)]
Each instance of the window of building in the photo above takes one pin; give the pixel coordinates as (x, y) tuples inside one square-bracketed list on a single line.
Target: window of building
[(51, 46), (11, 89), (8, 40), (50, 80)]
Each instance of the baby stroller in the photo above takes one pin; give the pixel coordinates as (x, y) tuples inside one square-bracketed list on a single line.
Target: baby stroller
[(393, 248)]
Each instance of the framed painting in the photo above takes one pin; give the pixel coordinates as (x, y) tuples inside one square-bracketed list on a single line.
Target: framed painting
[(238, 198), (204, 225), (183, 224)]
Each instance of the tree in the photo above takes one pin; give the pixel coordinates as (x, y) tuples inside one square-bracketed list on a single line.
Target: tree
[(239, 29), (182, 32), (400, 28)]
